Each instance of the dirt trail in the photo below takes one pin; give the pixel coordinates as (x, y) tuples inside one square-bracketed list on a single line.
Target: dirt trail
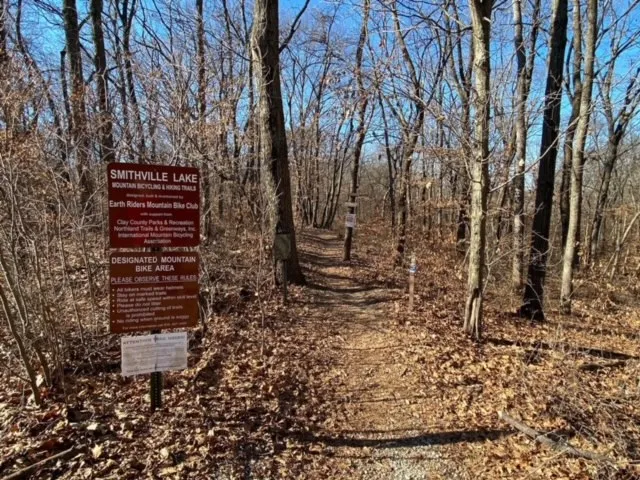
[(379, 424)]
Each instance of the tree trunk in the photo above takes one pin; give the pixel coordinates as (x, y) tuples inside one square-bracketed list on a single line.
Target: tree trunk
[(273, 142), (525, 71), (591, 248), (577, 163), (481, 22), (3, 34), (78, 112), (533, 298), (126, 17), (521, 150), (565, 185), (391, 174), (105, 123), (361, 131), (410, 139), (202, 121)]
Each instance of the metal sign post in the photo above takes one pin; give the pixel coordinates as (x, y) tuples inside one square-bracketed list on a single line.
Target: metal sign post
[(413, 267), (156, 387), (155, 393)]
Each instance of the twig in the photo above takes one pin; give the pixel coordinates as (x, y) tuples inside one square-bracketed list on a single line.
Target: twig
[(27, 471), (557, 445)]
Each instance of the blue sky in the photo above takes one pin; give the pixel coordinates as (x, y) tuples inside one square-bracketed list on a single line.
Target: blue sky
[(46, 36)]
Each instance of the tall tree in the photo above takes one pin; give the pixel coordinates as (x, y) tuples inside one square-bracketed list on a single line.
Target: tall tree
[(524, 69), (78, 107), (617, 121), (410, 132), (202, 109), (273, 142), (105, 122), (577, 161), (533, 299), (575, 96), (481, 23), (363, 100), (126, 14), (616, 126), (3, 33), (461, 70)]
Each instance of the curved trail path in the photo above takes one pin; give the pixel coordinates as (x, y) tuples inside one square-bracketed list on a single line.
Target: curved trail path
[(379, 417)]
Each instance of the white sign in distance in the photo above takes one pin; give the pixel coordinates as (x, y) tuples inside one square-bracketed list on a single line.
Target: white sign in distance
[(350, 220), (351, 204), (153, 353)]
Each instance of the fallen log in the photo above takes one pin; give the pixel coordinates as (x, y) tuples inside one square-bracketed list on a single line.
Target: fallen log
[(563, 446), (594, 367), (27, 471)]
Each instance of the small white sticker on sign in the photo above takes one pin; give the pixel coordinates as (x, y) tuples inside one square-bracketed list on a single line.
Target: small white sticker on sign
[(154, 353), (350, 220)]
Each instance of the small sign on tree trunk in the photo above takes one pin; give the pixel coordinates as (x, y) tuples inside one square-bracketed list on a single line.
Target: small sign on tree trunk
[(350, 220)]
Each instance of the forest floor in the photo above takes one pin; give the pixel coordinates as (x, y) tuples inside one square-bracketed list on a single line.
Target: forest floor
[(407, 396), (377, 412), (345, 382)]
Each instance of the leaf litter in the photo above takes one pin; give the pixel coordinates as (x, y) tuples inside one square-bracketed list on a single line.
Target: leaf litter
[(344, 382)]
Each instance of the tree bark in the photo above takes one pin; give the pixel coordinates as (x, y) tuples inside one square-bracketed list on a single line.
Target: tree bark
[(202, 121), (273, 141), (577, 162), (363, 101), (126, 18), (391, 163), (533, 298), (521, 150), (105, 122), (565, 185), (462, 76), (77, 100), (410, 139), (3, 33), (603, 196), (524, 75), (481, 23)]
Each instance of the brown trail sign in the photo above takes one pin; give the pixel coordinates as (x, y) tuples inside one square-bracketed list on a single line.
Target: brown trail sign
[(152, 291), (153, 206)]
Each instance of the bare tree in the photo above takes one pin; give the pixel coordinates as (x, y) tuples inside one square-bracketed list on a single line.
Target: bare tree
[(273, 142), (461, 71), (363, 100), (411, 129), (533, 300), (78, 107), (525, 69), (574, 96), (105, 122), (481, 22), (617, 122), (577, 162), (3, 33)]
